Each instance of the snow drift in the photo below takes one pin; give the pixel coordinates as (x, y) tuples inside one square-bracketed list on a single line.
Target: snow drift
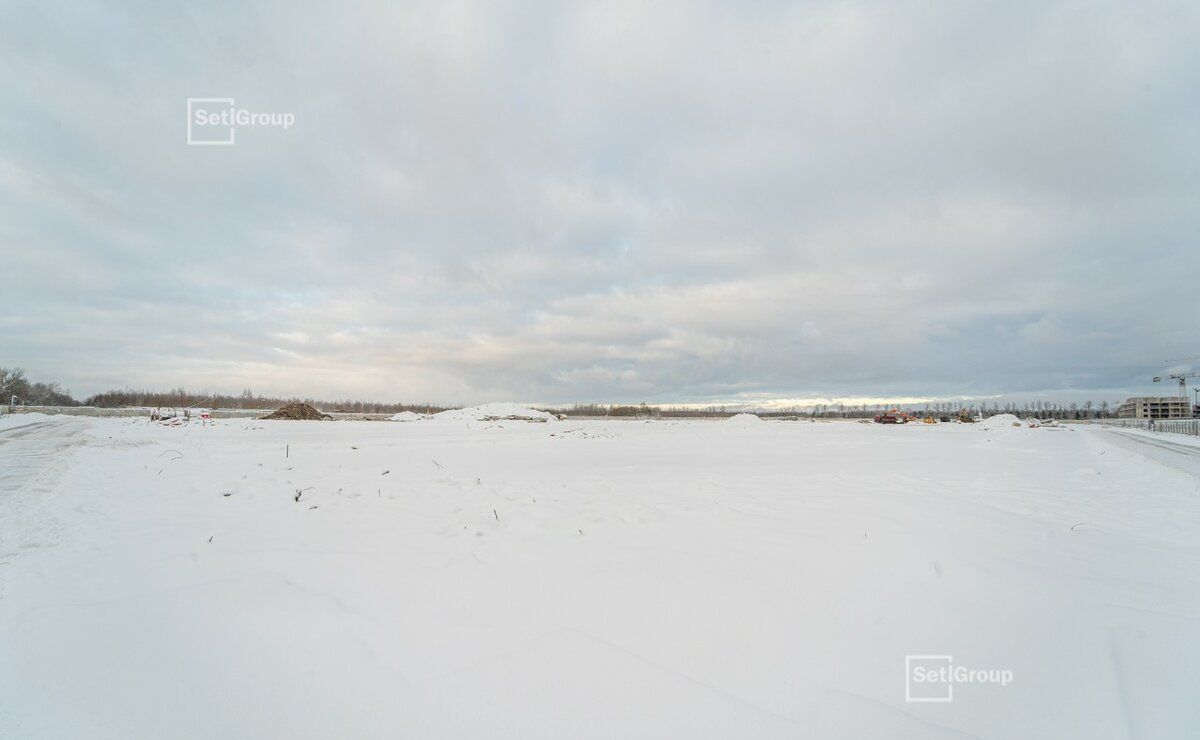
[(1000, 421), (743, 419), (495, 412), (406, 416)]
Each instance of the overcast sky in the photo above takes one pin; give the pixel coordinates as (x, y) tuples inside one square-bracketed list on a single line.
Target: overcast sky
[(555, 202)]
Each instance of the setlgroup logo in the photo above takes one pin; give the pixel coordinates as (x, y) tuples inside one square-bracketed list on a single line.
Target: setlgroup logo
[(932, 678), (214, 121)]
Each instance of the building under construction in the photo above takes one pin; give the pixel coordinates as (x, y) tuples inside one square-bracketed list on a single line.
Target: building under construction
[(1155, 407)]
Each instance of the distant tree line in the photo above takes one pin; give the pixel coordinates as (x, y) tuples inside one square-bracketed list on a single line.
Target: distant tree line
[(247, 399), (15, 387), (14, 383), (1040, 409)]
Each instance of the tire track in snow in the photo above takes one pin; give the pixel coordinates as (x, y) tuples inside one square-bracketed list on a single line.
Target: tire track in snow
[(1172, 454), (31, 460), (24, 430), (1162, 443)]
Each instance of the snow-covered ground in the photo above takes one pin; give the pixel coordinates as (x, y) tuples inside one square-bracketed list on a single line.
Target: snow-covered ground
[(617, 579)]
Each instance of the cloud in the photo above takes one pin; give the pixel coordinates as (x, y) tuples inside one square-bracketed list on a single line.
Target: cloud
[(615, 201)]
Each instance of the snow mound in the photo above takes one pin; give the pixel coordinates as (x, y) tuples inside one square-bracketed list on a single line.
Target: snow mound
[(496, 412), (406, 416), (743, 419), (18, 419), (1000, 421)]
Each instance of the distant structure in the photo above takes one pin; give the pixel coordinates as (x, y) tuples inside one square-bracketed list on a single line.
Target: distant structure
[(1155, 407)]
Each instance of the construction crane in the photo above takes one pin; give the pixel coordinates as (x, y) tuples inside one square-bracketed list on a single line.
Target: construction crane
[(1182, 378)]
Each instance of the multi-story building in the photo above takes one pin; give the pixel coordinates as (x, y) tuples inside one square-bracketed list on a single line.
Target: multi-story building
[(1155, 407)]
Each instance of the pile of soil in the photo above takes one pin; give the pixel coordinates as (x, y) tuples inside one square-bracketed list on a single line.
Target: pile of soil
[(297, 412)]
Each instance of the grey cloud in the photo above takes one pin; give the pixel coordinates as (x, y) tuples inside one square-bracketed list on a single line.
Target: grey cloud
[(614, 201)]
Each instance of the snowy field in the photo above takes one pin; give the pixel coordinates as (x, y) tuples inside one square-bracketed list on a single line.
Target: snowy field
[(593, 579)]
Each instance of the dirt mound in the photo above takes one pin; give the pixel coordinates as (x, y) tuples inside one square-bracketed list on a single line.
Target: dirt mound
[(297, 412)]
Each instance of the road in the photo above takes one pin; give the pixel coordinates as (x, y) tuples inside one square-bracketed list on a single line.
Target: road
[(32, 456), (1181, 455)]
